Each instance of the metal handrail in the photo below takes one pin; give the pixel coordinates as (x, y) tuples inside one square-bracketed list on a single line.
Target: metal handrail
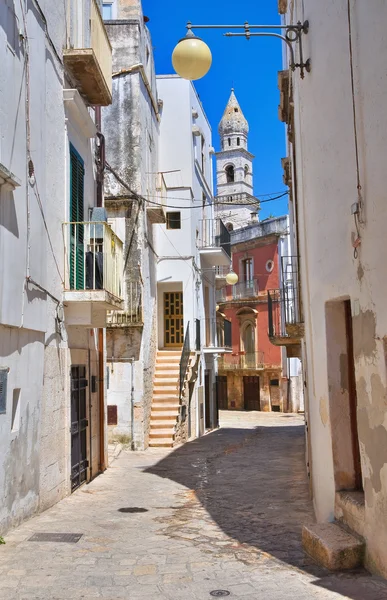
[(184, 360)]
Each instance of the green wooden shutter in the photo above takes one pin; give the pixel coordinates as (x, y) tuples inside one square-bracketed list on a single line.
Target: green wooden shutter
[(77, 251)]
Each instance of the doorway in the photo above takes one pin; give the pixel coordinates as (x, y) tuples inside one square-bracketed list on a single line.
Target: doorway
[(79, 424), (207, 403), (221, 391), (173, 320), (251, 392), (342, 396)]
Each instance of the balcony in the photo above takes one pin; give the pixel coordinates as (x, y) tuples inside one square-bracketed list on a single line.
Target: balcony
[(155, 207), (133, 316), (93, 273), (286, 327), (213, 335), (92, 67), (214, 243), (245, 290), (242, 361)]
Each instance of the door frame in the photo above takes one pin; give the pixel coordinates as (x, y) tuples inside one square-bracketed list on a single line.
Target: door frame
[(259, 392)]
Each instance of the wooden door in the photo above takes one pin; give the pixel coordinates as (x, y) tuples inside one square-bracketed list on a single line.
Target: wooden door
[(251, 393), (353, 397), (207, 404), (221, 389), (173, 320)]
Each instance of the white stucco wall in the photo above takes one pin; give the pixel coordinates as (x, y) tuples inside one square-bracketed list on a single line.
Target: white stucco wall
[(327, 187)]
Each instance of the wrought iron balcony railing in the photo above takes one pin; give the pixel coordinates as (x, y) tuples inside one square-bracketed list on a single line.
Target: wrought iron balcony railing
[(284, 306), (214, 234), (93, 258), (241, 291), (242, 360), (217, 333), (133, 315)]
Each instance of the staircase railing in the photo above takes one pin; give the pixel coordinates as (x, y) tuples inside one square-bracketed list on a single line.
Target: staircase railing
[(184, 361)]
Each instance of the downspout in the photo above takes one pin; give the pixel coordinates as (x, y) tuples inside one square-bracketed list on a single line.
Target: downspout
[(132, 405), (90, 421), (102, 464)]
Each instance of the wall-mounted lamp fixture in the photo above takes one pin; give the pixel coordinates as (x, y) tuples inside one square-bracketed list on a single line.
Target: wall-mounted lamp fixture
[(192, 57)]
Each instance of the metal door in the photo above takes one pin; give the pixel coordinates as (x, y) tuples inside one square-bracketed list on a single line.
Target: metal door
[(79, 423), (173, 319), (251, 393), (221, 386)]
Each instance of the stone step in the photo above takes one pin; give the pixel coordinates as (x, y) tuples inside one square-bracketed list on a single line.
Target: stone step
[(333, 547), (164, 414), (172, 375), (162, 422), (171, 391), (161, 443), (167, 362), (165, 406), (162, 433), (350, 510), (164, 379), (164, 394)]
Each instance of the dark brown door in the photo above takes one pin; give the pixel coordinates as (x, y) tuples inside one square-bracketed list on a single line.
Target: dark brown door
[(207, 400), (221, 383), (352, 396), (79, 423), (251, 393)]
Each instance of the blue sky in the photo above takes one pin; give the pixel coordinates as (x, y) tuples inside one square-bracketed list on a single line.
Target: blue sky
[(249, 66)]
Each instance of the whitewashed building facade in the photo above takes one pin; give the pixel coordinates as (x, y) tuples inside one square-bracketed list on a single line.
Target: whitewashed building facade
[(60, 271), (336, 169)]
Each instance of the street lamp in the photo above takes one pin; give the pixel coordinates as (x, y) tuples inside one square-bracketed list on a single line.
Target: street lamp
[(232, 278), (192, 57)]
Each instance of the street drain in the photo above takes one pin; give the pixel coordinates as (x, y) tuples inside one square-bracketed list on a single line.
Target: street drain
[(132, 509), (219, 593), (68, 538)]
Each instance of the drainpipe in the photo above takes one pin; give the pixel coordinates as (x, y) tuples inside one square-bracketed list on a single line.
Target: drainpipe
[(102, 464), (132, 405), (90, 422)]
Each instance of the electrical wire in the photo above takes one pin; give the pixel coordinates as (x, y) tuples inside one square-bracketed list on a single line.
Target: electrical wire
[(218, 203)]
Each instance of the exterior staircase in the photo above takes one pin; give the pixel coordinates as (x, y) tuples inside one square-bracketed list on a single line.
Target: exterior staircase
[(165, 403)]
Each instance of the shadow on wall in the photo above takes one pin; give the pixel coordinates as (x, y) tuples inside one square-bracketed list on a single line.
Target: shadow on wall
[(253, 485)]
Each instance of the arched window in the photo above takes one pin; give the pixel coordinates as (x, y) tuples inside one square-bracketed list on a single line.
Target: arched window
[(229, 141), (229, 226), (238, 141), (248, 340), (246, 171), (230, 174)]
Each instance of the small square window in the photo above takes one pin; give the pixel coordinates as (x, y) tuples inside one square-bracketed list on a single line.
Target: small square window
[(107, 11), (173, 220)]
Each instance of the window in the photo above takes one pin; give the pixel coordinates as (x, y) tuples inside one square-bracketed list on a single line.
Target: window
[(236, 110), (246, 171), (238, 141), (173, 220), (247, 269), (77, 174), (230, 175), (269, 266), (107, 11), (229, 141)]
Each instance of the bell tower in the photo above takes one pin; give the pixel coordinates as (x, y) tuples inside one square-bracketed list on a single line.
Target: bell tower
[(234, 169)]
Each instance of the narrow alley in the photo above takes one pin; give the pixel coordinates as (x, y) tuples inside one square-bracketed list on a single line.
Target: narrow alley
[(220, 516)]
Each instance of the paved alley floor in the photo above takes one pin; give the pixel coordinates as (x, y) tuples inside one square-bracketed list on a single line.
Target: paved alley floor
[(223, 513)]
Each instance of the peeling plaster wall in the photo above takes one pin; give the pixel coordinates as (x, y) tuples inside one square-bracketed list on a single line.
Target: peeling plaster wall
[(131, 129), (327, 187)]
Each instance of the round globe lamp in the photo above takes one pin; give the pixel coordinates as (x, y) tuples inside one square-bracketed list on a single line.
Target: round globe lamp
[(232, 278), (191, 57)]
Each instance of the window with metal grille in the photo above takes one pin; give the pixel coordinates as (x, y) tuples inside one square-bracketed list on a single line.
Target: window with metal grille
[(3, 390), (173, 220), (77, 258)]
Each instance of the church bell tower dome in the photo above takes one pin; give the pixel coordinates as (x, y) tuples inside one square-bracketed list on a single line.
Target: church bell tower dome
[(233, 125)]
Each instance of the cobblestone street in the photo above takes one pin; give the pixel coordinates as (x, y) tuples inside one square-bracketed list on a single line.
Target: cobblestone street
[(223, 512)]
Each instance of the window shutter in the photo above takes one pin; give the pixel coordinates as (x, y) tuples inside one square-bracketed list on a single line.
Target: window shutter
[(3, 390), (77, 252)]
